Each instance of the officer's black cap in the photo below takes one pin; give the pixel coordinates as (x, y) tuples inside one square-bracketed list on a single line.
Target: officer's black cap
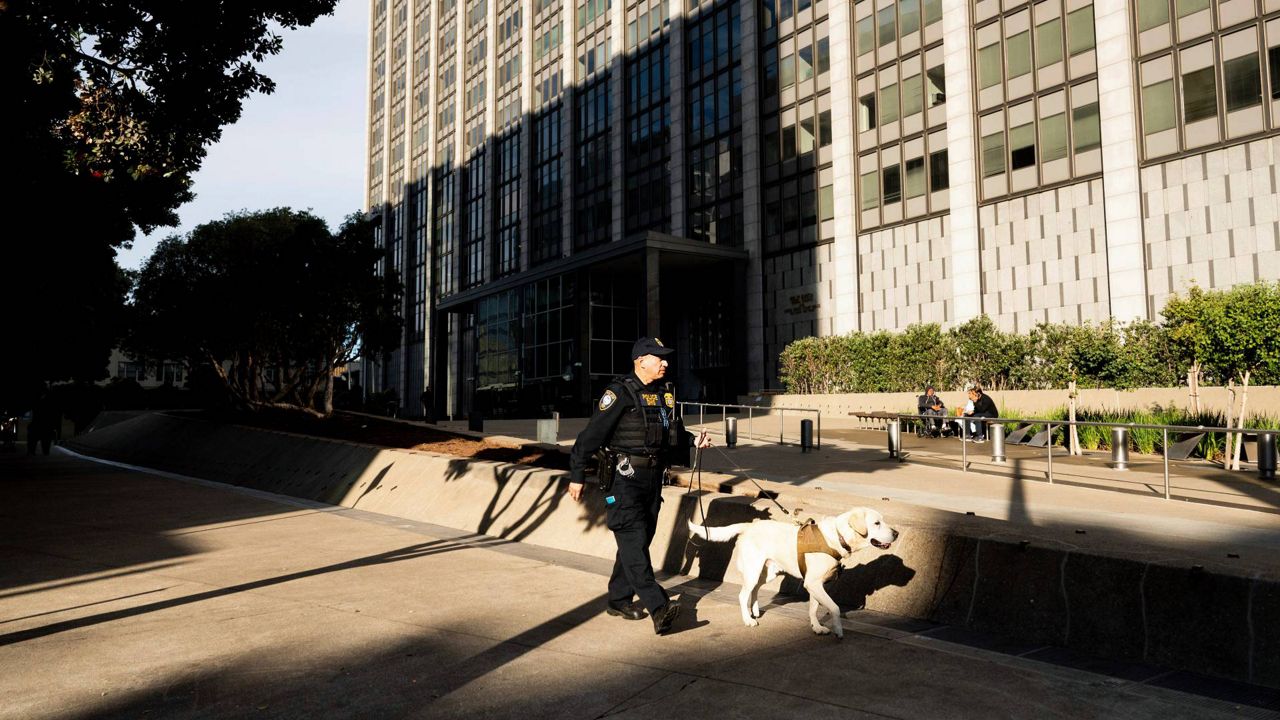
[(649, 346)]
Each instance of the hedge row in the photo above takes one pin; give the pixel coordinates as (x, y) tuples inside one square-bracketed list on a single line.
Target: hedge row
[(1223, 333)]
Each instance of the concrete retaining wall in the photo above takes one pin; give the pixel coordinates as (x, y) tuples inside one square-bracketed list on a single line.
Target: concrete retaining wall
[(1039, 586), (1027, 402)]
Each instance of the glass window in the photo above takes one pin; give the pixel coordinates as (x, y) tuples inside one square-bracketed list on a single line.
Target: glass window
[(1053, 137), (1190, 7), (1049, 43), (909, 12), (989, 66), (1080, 30), (1152, 13), (939, 174), (915, 177), (932, 11), (1019, 51), (993, 154), (787, 71), (1085, 127), (1022, 146), (870, 190), (866, 36), (788, 142), (937, 85), (804, 63), (1158, 108), (1242, 81), (889, 104), (824, 55), (912, 96), (806, 135), (887, 32), (824, 128), (1273, 60), (1199, 95), (826, 203), (892, 184), (867, 112), (771, 149)]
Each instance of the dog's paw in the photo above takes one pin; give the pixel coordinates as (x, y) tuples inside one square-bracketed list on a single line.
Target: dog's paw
[(821, 629), (755, 610), (750, 622)]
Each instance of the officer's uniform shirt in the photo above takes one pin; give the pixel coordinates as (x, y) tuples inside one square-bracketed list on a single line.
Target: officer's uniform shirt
[(620, 425)]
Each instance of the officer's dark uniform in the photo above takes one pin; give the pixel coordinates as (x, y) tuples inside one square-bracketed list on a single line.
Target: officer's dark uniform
[(637, 424)]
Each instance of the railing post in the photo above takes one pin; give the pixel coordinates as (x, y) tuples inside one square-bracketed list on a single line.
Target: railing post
[(819, 430), (1049, 447), (964, 444), (782, 425), (750, 425), (1166, 462), (702, 413)]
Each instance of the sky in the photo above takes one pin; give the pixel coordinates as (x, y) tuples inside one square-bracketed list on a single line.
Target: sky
[(301, 146)]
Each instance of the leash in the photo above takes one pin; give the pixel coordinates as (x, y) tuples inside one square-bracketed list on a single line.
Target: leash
[(767, 493)]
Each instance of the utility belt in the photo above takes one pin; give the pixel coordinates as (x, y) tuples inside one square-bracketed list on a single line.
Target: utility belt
[(614, 463)]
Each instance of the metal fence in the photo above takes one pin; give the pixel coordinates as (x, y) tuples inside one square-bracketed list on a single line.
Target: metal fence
[(752, 412), (1266, 460)]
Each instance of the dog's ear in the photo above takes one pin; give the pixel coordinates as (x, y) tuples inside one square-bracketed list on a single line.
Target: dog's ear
[(858, 521)]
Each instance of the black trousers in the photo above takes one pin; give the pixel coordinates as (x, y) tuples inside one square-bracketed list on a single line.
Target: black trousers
[(633, 518)]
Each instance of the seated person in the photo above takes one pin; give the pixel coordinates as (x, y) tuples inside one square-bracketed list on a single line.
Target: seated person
[(930, 404), (983, 407)]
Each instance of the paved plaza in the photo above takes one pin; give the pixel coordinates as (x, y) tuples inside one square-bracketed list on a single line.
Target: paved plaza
[(128, 594)]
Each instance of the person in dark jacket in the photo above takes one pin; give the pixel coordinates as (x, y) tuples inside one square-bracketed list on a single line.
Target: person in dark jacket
[(638, 428), (983, 407), (930, 404)]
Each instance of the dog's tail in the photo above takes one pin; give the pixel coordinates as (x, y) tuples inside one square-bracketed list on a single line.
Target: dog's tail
[(724, 533)]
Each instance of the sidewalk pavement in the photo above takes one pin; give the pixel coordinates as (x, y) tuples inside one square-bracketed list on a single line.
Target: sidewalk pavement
[(126, 594)]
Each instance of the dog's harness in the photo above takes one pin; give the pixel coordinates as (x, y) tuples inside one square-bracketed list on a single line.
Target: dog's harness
[(811, 540)]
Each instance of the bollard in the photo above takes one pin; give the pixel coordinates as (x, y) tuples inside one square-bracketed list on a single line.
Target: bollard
[(1267, 455), (996, 432), (730, 431), (806, 435), (475, 422), (1120, 448), (895, 437), (549, 430)]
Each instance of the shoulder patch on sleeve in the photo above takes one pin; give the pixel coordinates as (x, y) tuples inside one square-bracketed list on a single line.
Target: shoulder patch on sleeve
[(607, 400)]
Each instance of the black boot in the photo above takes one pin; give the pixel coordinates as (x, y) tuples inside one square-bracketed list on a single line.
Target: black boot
[(664, 617)]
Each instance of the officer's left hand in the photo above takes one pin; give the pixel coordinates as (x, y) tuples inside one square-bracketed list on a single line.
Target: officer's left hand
[(703, 441), (575, 491)]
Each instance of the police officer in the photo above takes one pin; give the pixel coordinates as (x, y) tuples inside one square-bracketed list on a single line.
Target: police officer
[(634, 433)]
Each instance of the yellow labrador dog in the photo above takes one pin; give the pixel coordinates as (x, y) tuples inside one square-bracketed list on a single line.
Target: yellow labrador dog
[(770, 547)]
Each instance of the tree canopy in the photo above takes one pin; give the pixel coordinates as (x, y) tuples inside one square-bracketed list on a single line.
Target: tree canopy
[(267, 292), (109, 109)]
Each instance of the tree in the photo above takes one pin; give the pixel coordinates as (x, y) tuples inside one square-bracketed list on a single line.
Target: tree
[(1240, 330), (109, 108), (1184, 321), (267, 291)]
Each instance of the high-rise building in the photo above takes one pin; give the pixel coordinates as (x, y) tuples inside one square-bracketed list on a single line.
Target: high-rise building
[(554, 179)]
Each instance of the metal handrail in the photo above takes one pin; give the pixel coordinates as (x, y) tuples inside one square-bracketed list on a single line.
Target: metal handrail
[(702, 408), (1050, 426)]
